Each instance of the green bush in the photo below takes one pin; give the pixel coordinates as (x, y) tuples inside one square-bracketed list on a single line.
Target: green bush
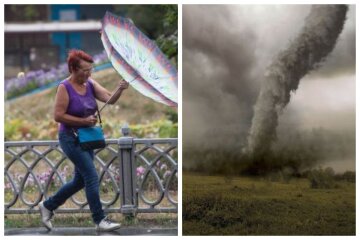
[(168, 130), (349, 176), (10, 130), (18, 129), (320, 178)]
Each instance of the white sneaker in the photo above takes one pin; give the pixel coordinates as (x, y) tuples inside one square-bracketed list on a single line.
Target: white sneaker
[(46, 215), (106, 225)]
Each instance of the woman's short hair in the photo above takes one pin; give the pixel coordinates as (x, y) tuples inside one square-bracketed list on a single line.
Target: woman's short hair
[(74, 57)]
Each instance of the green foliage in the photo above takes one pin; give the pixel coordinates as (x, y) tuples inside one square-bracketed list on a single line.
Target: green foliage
[(168, 130), (11, 129), (149, 18), (161, 128), (30, 12), (20, 91), (348, 176), (168, 44), (19, 129), (172, 115), (320, 178), (168, 40), (158, 22), (27, 13), (171, 17)]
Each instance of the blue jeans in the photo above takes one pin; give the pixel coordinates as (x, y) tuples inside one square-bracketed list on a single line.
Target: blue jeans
[(85, 175)]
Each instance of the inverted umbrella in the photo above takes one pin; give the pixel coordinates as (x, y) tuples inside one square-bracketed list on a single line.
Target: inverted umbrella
[(138, 60)]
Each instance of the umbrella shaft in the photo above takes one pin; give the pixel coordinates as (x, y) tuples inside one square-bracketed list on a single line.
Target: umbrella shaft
[(109, 99), (113, 96)]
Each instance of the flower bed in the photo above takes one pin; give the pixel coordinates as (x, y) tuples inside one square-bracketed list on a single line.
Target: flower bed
[(20, 85)]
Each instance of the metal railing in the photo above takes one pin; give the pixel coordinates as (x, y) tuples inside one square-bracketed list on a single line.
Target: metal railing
[(136, 175)]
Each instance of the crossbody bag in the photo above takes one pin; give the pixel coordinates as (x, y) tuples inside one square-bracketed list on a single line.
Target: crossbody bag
[(91, 137)]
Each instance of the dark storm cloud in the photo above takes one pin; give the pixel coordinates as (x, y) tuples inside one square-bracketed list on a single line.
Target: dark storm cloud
[(217, 61), (342, 60), (226, 49)]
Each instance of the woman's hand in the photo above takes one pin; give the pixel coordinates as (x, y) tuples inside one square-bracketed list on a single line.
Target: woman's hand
[(104, 95), (90, 121), (123, 85)]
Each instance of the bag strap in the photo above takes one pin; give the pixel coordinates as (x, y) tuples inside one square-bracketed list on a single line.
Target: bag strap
[(98, 115), (108, 100), (97, 107)]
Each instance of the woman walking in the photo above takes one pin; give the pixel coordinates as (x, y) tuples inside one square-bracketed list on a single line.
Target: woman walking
[(75, 107)]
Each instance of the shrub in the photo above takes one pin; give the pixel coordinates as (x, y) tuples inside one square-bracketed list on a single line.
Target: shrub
[(172, 115), (320, 178), (17, 129), (348, 176)]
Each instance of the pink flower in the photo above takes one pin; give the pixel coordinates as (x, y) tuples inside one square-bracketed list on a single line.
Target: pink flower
[(167, 174), (140, 171), (8, 186), (163, 166)]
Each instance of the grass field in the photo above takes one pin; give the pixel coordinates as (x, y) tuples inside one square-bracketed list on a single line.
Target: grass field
[(217, 205)]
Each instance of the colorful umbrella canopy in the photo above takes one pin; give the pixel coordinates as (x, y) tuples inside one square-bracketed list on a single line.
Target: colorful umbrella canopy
[(138, 60)]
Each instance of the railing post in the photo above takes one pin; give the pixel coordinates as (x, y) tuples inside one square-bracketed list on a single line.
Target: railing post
[(127, 173)]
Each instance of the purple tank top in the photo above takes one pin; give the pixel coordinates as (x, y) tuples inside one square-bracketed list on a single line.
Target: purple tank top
[(79, 105)]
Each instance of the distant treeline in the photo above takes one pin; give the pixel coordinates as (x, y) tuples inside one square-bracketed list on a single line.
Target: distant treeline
[(293, 153)]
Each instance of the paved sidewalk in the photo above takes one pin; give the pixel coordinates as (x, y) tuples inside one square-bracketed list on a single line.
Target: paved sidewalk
[(124, 231)]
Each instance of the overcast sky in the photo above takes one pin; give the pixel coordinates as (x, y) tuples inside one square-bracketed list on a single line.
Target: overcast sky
[(226, 50)]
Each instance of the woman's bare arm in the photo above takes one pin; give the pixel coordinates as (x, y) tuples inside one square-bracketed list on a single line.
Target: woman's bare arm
[(103, 95)]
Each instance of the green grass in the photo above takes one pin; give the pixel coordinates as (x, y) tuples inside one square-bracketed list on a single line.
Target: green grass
[(84, 220), (216, 205)]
